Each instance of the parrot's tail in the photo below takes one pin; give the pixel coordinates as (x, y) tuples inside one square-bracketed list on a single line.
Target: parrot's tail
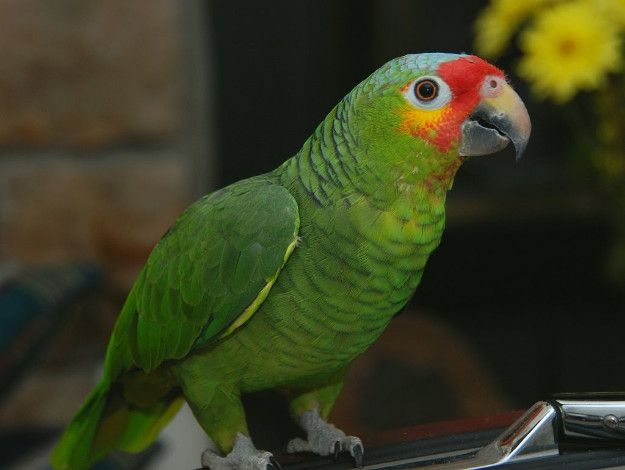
[(106, 422)]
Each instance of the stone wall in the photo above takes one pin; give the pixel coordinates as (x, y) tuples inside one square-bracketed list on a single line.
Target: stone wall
[(103, 136)]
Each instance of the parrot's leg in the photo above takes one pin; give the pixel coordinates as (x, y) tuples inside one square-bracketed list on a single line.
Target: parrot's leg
[(312, 409), (220, 412)]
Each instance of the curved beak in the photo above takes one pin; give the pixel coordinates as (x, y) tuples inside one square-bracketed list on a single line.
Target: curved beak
[(494, 123)]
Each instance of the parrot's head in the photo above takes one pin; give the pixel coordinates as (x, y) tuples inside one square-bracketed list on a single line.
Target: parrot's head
[(430, 111)]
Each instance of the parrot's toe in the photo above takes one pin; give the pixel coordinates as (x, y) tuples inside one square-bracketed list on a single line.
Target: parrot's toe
[(353, 445), (337, 450), (273, 464), (340, 443), (359, 455), (325, 439), (244, 456)]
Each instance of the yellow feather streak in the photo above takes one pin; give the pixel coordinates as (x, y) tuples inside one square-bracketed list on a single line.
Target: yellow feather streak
[(260, 298)]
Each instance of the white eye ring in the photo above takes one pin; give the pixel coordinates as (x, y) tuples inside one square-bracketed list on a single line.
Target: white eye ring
[(442, 93)]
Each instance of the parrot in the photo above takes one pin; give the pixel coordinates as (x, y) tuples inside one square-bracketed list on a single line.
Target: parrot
[(279, 281)]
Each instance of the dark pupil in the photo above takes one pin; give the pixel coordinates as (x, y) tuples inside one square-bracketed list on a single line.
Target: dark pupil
[(426, 90)]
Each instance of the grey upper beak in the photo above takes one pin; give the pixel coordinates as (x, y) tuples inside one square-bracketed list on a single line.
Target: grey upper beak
[(494, 123)]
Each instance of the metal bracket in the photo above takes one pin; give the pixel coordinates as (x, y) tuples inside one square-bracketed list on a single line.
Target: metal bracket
[(583, 420)]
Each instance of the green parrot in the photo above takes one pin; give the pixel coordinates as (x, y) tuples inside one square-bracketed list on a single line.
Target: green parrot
[(279, 281)]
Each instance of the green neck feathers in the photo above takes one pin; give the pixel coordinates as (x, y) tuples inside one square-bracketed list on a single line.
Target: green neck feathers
[(342, 161)]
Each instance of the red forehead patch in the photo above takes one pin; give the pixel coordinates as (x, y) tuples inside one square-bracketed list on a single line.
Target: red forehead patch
[(466, 73)]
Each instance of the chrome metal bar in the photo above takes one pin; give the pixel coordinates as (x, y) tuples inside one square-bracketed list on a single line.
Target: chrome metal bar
[(598, 419), (531, 436), (544, 428)]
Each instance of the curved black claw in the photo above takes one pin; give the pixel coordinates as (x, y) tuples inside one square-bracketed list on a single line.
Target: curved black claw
[(359, 456), (337, 450), (273, 464)]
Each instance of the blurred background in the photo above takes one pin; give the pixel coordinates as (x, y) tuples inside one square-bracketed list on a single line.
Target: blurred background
[(115, 115)]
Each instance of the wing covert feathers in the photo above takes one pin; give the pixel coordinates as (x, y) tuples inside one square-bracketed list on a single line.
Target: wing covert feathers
[(211, 270)]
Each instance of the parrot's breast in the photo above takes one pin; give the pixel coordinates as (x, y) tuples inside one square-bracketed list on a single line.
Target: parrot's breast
[(354, 269)]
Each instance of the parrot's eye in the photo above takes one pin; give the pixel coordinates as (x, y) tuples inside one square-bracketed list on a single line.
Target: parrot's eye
[(426, 90), (428, 93)]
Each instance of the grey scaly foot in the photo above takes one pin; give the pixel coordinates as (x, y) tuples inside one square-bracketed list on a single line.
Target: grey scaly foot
[(324, 439), (243, 456)]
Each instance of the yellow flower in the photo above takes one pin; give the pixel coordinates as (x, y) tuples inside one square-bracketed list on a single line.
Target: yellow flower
[(570, 47), (614, 10), (498, 22)]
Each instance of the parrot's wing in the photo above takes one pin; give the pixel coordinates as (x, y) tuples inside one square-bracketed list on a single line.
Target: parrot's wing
[(211, 270)]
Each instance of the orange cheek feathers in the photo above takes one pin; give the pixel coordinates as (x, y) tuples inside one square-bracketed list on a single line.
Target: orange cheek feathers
[(439, 127)]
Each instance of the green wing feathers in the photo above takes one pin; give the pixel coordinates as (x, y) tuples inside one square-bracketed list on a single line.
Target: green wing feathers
[(209, 267), (206, 276)]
